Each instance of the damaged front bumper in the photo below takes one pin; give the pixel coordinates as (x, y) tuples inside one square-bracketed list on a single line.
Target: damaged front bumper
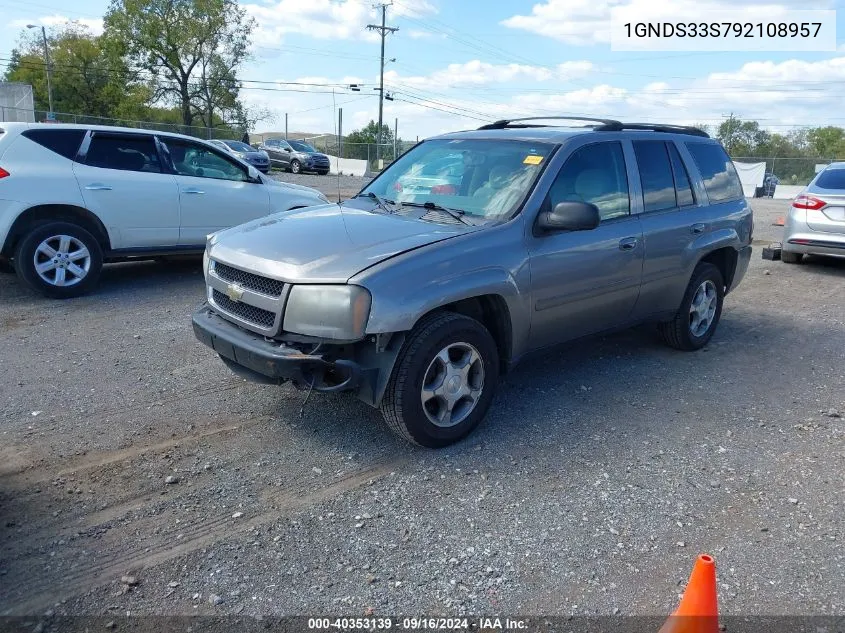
[(258, 359)]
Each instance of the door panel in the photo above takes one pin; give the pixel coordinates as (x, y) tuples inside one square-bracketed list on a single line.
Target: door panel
[(670, 227), (122, 183), (583, 282), (214, 191)]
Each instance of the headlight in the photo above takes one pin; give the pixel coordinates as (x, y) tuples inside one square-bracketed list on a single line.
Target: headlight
[(205, 264), (332, 312)]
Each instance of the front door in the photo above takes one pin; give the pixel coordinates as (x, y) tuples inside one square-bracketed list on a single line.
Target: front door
[(584, 282), (215, 191), (123, 182)]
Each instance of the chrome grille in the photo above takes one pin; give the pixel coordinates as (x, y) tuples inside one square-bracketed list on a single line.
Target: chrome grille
[(264, 285), (258, 316)]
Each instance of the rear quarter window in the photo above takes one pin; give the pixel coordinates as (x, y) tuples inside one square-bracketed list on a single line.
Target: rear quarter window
[(63, 142), (831, 179), (721, 181)]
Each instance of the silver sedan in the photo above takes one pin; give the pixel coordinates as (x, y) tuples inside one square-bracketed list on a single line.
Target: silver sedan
[(815, 224)]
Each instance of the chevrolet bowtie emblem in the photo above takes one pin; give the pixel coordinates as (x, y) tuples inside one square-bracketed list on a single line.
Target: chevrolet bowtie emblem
[(234, 292)]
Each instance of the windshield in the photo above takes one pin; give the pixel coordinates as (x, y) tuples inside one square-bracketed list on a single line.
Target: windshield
[(299, 146), (239, 147), (484, 178)]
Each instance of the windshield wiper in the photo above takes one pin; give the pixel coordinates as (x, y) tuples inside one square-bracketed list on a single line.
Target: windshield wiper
[(381, 202), (457, 214)]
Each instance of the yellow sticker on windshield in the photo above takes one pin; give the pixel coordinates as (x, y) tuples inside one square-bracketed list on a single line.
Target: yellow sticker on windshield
[(533, 160)]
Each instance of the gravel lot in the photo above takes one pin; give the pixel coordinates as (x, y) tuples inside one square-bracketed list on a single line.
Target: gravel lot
[(330, 184), (138, 475)]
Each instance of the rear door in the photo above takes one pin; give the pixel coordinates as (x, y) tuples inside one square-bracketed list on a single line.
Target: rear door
[(673, 218), (124, 183), (587, 281), (214, 190), (829, 186)]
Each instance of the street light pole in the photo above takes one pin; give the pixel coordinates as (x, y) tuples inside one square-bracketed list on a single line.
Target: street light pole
[(49, 68)]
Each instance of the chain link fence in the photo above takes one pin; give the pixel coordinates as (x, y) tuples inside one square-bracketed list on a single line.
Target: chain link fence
[(790, 170), (40, 116)]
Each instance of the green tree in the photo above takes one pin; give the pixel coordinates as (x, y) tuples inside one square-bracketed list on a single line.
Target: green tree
[(85, 79), (827, 142), (742, 138), (357, 143), (190, 51)]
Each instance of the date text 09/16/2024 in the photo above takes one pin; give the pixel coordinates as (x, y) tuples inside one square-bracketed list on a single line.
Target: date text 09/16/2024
[(416, 624)]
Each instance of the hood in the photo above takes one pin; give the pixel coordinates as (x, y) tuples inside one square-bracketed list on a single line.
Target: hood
[(312, 154), (272, 182), (325, 244), (256, 155)]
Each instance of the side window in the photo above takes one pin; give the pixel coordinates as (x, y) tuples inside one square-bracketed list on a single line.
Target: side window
[(595, 174), (64, 142), (655, 175), (193, 159), (683, 187), (131, 152), (721, 181)]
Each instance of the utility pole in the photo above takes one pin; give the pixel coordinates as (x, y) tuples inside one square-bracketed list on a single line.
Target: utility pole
[(286, 126), (395, 136), (383, 31), (49, 68), (729, 140)]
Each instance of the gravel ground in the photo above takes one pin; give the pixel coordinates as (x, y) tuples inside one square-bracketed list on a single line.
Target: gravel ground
[(137, 475), (330, 184)]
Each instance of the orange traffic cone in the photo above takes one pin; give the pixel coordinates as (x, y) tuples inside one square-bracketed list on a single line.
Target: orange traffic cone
[(698, 611), (779, 221)]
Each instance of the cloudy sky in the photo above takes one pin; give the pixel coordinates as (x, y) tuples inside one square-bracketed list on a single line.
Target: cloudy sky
[(461, 62)]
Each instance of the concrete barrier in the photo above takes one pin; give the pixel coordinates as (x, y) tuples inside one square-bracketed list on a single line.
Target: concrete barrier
[(347, 166), (787, 192)]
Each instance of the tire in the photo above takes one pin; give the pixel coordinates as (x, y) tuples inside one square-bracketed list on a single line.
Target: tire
[(63, 238), (295, 167), (442, 335), (791, 258), (688, 331), (322, 172)]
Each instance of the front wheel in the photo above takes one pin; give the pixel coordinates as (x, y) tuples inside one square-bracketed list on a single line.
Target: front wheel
[(443, 382), (295, 166), (697, 318), (59, 260)]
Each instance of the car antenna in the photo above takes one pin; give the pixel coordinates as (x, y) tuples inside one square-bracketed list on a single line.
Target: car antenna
[(337, 137)]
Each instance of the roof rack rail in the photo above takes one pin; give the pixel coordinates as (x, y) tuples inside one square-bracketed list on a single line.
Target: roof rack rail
[(505, 123), (670, 129), (599, 125)]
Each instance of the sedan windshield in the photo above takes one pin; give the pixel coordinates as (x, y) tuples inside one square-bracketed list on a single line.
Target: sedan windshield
[(484, 178), (239, 147), (299, 146)]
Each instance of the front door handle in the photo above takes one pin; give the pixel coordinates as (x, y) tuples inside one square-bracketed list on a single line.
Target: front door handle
[(697, 229), (197, 191), (97, 186), (628, 244)]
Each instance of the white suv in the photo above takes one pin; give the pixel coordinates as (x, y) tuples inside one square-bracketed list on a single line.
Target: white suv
[(73, 197)]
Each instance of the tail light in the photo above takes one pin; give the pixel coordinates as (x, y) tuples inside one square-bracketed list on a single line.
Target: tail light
[(808, 202), (4, 173)]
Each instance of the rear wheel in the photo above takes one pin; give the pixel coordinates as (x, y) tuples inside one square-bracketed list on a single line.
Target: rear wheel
[(791, 258), (59, 259), (697, 318), (295, 166), (443, 382)]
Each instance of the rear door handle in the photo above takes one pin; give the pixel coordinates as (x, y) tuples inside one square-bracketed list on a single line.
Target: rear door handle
[(698, 229), (628, 244), (97, 186), (198, 191)]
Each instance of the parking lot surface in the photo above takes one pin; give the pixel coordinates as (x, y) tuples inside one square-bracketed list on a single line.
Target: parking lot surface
[(137, 474)]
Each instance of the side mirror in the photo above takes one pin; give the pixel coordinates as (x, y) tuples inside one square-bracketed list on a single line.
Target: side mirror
[(253, 174), (570, 216), (286, 149)]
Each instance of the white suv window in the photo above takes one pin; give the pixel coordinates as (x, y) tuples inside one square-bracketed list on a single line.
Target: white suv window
[(193, 159), (130, 152)]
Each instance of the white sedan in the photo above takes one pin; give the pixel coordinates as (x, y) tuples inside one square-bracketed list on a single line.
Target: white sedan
[(73, 197)]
